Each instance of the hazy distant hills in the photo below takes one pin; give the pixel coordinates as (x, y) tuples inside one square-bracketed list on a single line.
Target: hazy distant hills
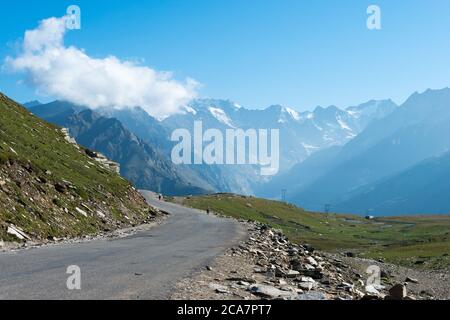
[(423, 188), (417, 130)]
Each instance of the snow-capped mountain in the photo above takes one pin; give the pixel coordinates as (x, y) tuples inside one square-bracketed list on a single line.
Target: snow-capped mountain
[(301, 133)]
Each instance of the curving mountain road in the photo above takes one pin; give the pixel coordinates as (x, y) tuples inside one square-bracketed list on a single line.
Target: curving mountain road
[(144, 265)]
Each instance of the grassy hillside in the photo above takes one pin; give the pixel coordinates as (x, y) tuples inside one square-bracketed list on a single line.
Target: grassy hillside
[(421, 241), (49, 188)]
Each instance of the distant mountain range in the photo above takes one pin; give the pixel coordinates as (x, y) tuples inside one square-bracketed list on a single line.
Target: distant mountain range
[(367, 167), (301, 134), (346, 159)]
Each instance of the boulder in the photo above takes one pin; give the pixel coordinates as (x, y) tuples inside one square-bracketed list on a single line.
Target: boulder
[(412, 280), (219, 288), (307, 285), (312, 295), (398, 292), (270, 292), (292, 273), (17, 232), (371, 290)]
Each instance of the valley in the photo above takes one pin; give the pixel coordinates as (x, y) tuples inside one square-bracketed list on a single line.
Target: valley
[(421, 242)]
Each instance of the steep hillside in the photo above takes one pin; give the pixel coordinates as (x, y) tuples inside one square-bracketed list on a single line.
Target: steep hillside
[(50, 187)]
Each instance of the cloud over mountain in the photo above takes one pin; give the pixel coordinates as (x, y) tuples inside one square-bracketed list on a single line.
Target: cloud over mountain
[(68, 73)]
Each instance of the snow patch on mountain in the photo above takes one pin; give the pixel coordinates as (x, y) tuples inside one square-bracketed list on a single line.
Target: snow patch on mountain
[(189, 109), (221, 116), (294, 114), (309, 148)]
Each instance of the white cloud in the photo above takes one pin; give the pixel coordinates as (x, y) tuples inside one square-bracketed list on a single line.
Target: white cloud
[(68, 73)]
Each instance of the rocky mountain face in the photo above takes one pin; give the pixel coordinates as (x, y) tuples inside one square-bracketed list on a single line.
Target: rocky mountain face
[(51, 188), (414, 132), (141, 163), (301, 135)]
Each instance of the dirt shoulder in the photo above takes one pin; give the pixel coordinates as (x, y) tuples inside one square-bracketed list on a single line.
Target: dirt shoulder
[(151, 222), (267, 266)]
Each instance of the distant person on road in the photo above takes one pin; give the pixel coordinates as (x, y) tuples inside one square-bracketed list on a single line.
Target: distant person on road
[(207, 211), (159, 197)]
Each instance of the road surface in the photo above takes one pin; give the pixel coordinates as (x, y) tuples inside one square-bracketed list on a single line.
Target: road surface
[(144, 265)]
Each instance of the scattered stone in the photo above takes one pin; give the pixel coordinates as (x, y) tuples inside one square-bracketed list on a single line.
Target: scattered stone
[(349, 254), (61, 188), (312, 295), (208, 268), (82, 212), (307, 279), (280, 269), (17, 232), (307, 285), (398, 292), (219, 288), (412, 280), (371, 290), (292, 273), (312, 261), (270, 292), (100, 214)]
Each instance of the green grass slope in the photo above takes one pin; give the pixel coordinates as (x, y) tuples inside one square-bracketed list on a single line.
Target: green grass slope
[(49, 188), (420, 241)]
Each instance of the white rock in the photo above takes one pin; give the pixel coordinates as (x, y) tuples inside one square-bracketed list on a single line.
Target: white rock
[(307, 279), (81, 211), (100, 214), (269, 291), (292, 273), (306, 285), (219, 288), (312, 261), (370, 289), (15, 231), (313, 295)]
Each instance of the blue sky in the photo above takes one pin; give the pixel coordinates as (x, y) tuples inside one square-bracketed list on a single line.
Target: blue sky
[(258, 52)]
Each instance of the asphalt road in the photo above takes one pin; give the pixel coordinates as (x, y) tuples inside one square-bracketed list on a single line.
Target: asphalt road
[(144, 265)]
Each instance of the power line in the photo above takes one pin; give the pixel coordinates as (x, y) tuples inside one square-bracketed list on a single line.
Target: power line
[(283, 195)]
